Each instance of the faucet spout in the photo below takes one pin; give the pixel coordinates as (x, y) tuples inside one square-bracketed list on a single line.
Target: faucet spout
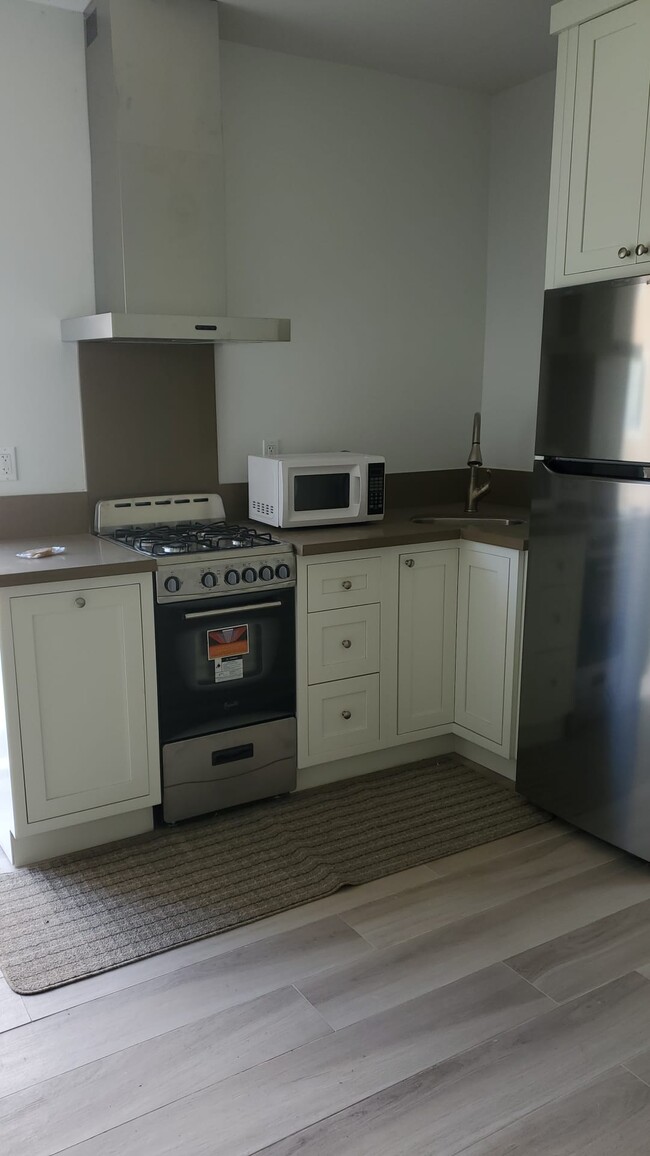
[(476, 489), (475, 457)]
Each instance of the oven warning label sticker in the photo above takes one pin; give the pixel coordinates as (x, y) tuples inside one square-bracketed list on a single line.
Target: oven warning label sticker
[(226, 648), (226, 669)]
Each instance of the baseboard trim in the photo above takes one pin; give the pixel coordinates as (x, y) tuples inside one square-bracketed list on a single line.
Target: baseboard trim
[(374, 761), (46, 844), (399, 755), (497, 763)]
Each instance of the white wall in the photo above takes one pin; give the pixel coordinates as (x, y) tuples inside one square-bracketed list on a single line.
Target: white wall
[(356, 206), (520, 165), (46, 269)]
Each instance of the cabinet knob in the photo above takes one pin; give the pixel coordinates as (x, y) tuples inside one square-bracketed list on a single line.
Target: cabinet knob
[(346, 643), (641, 250), (347, 585), (409, 562), (346, 714), (624, 252), (80, 602)]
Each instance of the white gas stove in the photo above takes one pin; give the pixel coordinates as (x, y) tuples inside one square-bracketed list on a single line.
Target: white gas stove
[(199, 554)]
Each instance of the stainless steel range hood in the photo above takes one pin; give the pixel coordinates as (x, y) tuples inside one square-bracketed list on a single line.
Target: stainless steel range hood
[(154, 107)]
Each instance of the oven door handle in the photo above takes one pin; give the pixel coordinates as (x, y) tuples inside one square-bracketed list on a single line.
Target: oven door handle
[(232, 610)]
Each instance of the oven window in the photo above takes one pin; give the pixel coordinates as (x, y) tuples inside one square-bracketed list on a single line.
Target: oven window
[(321, 492), (192, 700)]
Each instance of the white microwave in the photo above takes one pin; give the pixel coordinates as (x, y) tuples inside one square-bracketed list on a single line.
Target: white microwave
[(316, 489)]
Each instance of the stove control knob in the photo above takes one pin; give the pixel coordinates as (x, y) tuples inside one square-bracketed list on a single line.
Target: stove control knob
[(249, 575), (266, 573), (232, 577), (282, 571), (172, 584), (209, 580)]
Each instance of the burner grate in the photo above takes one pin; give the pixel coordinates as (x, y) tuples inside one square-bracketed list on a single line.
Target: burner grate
[(192, 538)]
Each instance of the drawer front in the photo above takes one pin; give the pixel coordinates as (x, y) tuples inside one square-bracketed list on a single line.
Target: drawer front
[(344, 716), (343, 643), (334, 585)]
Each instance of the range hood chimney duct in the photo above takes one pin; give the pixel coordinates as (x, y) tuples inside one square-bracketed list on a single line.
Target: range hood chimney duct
[(154, 107)]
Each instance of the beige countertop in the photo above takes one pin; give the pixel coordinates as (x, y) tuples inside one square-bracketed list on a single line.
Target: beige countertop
[(398, 529), (85, 557)]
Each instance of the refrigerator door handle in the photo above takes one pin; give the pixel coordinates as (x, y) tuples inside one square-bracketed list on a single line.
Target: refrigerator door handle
[(596, 469)]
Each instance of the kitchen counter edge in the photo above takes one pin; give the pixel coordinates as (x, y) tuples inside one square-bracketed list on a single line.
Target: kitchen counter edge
[(398, 529), (86, 556)]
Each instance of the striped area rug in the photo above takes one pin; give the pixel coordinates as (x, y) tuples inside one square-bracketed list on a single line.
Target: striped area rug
[(92, 911)]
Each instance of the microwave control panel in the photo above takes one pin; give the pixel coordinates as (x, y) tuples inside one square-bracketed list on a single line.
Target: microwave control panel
[(376, 479)]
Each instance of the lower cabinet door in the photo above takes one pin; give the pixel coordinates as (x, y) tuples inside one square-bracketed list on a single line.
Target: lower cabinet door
[(483, 640), (344, 717), (81, 694), (427, 639)]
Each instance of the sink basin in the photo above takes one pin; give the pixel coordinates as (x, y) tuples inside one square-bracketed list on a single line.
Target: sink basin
[(468, 520)]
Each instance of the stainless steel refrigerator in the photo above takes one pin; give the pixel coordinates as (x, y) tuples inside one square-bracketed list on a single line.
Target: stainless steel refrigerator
[(584, 729)]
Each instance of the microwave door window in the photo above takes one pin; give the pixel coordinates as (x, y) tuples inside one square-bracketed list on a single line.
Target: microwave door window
[(314, 492)]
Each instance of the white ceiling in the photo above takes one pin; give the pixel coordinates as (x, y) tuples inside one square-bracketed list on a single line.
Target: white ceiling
[(481, 44), (486, 45)]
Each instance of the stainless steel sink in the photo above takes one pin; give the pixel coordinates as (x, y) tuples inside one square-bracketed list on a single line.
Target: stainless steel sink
[(468, 520)]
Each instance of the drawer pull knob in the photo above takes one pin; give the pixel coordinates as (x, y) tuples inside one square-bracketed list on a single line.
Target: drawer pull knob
[(624, 252), (347, 585), (346, 714), (346, 643), (409, 562), (80, 602), (641, 250)]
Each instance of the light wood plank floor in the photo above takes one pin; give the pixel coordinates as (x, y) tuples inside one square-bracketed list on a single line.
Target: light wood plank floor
[(495, 1002)]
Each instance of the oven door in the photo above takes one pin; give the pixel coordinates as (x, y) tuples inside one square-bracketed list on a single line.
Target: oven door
[(225, 663), (313, 495)]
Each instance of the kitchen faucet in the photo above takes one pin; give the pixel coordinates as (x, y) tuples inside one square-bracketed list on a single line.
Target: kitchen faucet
[(475, 462)]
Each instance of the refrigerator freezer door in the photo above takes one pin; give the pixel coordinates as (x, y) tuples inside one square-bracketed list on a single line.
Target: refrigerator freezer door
[(594, 399), (584, 731)]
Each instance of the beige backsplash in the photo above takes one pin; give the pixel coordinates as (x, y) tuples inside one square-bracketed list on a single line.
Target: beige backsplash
[(431, 487), (149, 424), (46, 515), (149, 419)]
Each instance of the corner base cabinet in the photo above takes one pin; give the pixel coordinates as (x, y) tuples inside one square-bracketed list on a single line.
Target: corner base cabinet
[(433, 650), (486, 643), (79, 697), (428, 582)]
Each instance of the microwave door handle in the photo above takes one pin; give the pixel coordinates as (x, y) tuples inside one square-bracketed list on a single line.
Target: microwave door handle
[(355, 489), (232, 610)]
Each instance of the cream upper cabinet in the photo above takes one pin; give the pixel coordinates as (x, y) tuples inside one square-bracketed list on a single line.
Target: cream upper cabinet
[(599, 221), (428, 583)]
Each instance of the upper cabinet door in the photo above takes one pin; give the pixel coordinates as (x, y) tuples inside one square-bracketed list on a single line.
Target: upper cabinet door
[(609, 141), (81, 690)]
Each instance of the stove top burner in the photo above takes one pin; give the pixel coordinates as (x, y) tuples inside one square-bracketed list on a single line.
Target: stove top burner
[(192, 538)]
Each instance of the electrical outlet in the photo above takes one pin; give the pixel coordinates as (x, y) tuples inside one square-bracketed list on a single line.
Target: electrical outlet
[(8, 465), (271, 447)]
